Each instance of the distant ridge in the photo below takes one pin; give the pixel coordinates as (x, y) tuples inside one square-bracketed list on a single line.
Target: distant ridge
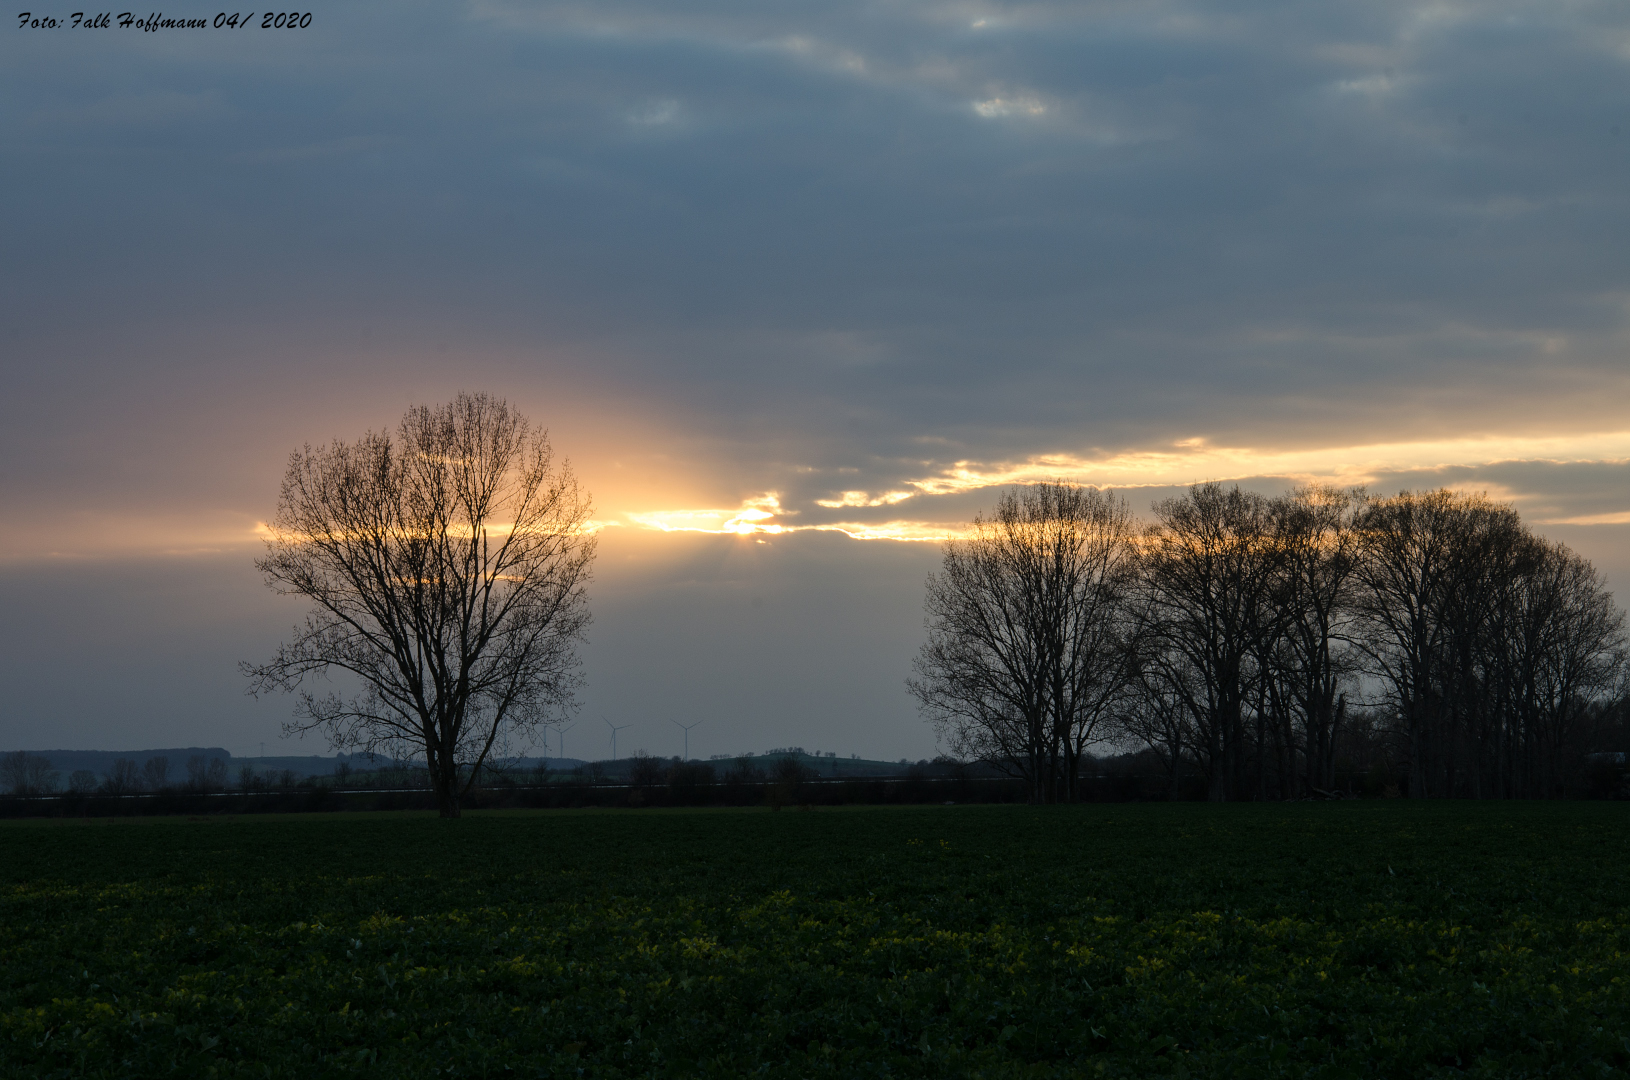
[(101, 761)]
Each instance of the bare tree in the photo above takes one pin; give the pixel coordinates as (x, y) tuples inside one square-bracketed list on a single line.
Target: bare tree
[(205, 774), (1564, 653), (155, 773), (1026, 652), (645, 770), (1496, 660), (743, 770), (1212, 573), (448, 568), (1432, 566), (1311, 661), (1162, 709), (1498, 649), (123, 779), (23, 773)]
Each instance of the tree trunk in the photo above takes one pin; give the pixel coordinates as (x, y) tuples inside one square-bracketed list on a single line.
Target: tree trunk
[(1417, 752), (1218, 772), (444, 778)]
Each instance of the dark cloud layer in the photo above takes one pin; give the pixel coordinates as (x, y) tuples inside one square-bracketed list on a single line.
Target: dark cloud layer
[(728, 249)]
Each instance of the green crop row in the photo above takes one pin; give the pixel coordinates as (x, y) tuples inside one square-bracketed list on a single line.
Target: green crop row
[(1376, 940)]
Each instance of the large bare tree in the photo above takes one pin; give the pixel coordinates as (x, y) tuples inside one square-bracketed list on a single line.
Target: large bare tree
[(1310, 660), (1431, 570), (1554, 653), (1213, 582), (447, 567), (1026, 622), (1164, 705)]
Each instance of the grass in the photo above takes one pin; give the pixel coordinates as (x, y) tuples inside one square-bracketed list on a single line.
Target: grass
[(1364, 940)]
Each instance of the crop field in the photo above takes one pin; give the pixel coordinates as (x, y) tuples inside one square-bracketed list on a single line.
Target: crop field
[(1380, 939)]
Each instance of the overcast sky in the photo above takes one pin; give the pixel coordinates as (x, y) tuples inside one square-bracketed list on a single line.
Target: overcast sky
[(846, 268)]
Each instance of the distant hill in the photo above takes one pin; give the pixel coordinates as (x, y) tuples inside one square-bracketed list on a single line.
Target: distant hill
[(325, 766), (101, 762)]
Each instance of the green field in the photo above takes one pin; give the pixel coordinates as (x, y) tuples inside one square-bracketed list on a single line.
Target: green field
[(1348, 939)]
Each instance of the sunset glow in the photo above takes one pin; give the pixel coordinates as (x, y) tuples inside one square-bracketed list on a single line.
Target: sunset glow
[(1185, 462), (753, 516), (1193, 460), (774, 279)]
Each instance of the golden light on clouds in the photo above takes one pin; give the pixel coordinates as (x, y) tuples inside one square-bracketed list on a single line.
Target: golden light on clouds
[(1180, 464), (1194, 460), (914, 507), (755, 515), (264, 531), (861, 498), (921, 531)]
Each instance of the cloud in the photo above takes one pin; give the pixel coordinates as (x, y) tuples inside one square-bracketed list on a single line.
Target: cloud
[(755, 515), (1620, 518), (862, 498), (994, 107), (655, 114), (1192, 460), (875, 259), (1560, 479)]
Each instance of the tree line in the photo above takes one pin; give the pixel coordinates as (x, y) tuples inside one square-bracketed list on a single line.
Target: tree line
[(22, 773), (1244, 640)]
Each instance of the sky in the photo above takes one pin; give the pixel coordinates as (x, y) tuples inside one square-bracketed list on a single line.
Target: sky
[(797, 288)]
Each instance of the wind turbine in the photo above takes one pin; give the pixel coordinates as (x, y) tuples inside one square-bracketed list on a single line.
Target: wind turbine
[(562, 733), (687, 728), (614, 729)]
